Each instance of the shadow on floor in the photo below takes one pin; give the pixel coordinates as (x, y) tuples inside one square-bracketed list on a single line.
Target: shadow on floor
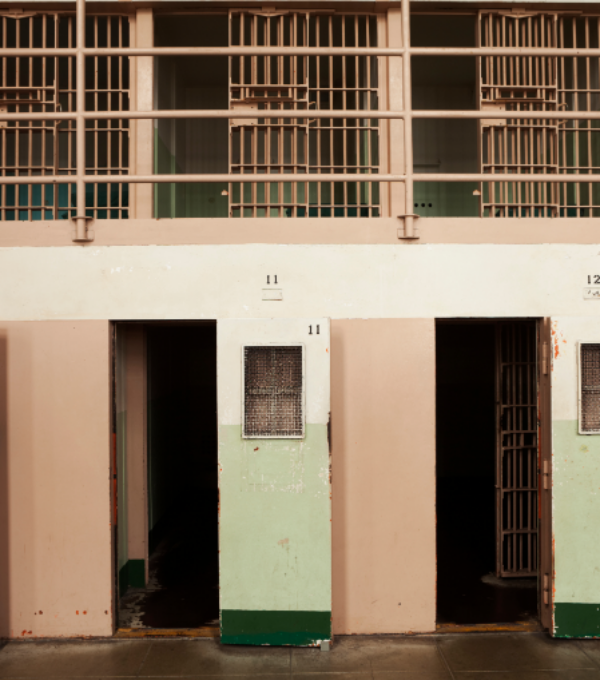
[(468, 592), (183, 589)]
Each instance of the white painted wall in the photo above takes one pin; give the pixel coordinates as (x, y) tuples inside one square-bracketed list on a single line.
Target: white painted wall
[(350, 281)]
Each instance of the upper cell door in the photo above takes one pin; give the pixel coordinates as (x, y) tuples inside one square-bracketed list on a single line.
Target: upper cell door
[(274, 481)]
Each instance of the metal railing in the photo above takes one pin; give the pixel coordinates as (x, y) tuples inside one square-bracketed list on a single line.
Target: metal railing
[(408, 177)]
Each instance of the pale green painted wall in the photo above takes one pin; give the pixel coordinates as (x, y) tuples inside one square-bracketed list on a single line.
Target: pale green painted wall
[(275, 528), (576, 510)]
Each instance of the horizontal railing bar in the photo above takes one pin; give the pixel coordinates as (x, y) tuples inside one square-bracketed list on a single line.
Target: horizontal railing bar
[(37, 115), (37, 179), (510, 115), (248, 178), (506, 177), (39, 51), (202, 51), (196, 113), (237, 51), (197, 178), (295, 114), (505, 52), (317, 177)]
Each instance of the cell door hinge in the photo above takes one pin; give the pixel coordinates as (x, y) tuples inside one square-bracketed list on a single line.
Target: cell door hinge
[(546, 475), (545, 357), (546, 589)]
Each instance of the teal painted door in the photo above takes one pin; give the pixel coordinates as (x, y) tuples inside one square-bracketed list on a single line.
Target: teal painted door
[(274, 481)]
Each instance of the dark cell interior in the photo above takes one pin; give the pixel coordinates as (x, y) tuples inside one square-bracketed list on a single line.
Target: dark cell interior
[(183, 587), (192, 145), (468, 591), (444, 145)]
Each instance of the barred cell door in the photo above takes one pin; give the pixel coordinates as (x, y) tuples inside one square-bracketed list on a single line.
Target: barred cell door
[(303, 145), (516, 449), (519, 84)]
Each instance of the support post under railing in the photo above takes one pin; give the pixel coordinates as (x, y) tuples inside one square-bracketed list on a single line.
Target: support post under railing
[(80, 232), (409, 228)]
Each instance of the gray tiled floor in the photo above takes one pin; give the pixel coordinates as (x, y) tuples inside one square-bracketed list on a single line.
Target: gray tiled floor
[(525, 656)]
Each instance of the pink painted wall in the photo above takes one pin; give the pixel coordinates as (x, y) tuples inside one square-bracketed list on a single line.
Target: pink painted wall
[(55, 508), (137, 502), (383, 437)]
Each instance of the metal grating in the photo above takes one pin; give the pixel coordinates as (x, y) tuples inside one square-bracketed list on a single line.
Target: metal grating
[(304, 145), (273, 392), (579, 140), (589, 416), (530, 146), (517, 451), (48, 84), (522, 145)]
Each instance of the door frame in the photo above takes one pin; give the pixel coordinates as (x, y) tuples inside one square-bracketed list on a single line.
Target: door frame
[(546, 557)]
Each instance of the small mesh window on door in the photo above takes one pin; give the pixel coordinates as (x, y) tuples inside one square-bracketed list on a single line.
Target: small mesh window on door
[(589, 380), (273, 392)]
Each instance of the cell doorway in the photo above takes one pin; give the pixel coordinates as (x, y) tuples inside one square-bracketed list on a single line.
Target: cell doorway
[(487, 472), (166, 482)]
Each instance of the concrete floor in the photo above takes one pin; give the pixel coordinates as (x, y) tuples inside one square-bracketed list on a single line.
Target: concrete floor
[(524, 656)]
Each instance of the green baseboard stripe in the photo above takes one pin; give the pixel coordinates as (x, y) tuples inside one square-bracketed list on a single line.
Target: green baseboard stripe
[(132, 575), (573, 620), (274, 627)]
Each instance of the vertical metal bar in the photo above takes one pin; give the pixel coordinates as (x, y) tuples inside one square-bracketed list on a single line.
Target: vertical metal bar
[(80, 228), (95, 165), (408, 149), (30, 124), (17, 129), (330, 99), (229, 122), (512, 453), (56, 133), (498, 388), (70, 103), (4, 188), (576, 87), (44, 107), (588, 108)]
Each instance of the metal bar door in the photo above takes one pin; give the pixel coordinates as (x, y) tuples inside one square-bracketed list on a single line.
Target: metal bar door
[(516, 449)]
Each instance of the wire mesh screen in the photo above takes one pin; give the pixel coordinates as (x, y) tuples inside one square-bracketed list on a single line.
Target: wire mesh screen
[(273, 379), (590, 388)]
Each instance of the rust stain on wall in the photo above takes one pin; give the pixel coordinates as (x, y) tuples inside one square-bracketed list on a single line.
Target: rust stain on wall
[(558, 339)]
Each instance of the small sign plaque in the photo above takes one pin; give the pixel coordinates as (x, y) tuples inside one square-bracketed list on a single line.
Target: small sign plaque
[(276, 294)]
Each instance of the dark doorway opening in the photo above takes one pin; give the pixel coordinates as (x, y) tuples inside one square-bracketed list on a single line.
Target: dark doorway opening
[(182, 590), (470, 376)]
